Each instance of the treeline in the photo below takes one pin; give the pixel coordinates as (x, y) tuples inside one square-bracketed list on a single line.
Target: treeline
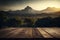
[(48, 22), (6, 21)]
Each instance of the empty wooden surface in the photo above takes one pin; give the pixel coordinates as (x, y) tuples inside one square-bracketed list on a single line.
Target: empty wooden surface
[(52, 32)]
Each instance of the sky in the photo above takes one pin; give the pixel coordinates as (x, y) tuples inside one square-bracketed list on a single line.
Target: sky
[(21, 4)]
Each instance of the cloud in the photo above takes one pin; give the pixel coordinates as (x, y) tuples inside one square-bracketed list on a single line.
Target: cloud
[(10, 2), (19, 4)]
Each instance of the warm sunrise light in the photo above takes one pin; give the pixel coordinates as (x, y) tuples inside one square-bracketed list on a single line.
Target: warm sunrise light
[(43, 5), (35, 4)]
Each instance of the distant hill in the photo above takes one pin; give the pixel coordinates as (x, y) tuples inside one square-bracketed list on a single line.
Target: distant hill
[(50, 10)]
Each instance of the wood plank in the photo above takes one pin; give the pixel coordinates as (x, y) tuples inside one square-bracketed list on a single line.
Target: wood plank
[(52, 32), (36, 33), (45, 35)]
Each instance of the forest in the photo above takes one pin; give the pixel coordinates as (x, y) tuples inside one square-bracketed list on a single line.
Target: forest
[(6, 20)]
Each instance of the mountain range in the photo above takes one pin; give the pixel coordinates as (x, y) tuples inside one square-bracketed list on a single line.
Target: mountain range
[(47, 10), (28, 11)]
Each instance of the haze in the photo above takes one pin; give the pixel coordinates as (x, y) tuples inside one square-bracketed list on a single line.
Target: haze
[(21, 4)]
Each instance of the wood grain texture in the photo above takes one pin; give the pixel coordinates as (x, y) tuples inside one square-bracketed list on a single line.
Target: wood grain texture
[(30, 32)]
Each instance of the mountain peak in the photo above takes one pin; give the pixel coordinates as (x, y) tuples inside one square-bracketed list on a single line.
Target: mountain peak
[(28, 8)]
